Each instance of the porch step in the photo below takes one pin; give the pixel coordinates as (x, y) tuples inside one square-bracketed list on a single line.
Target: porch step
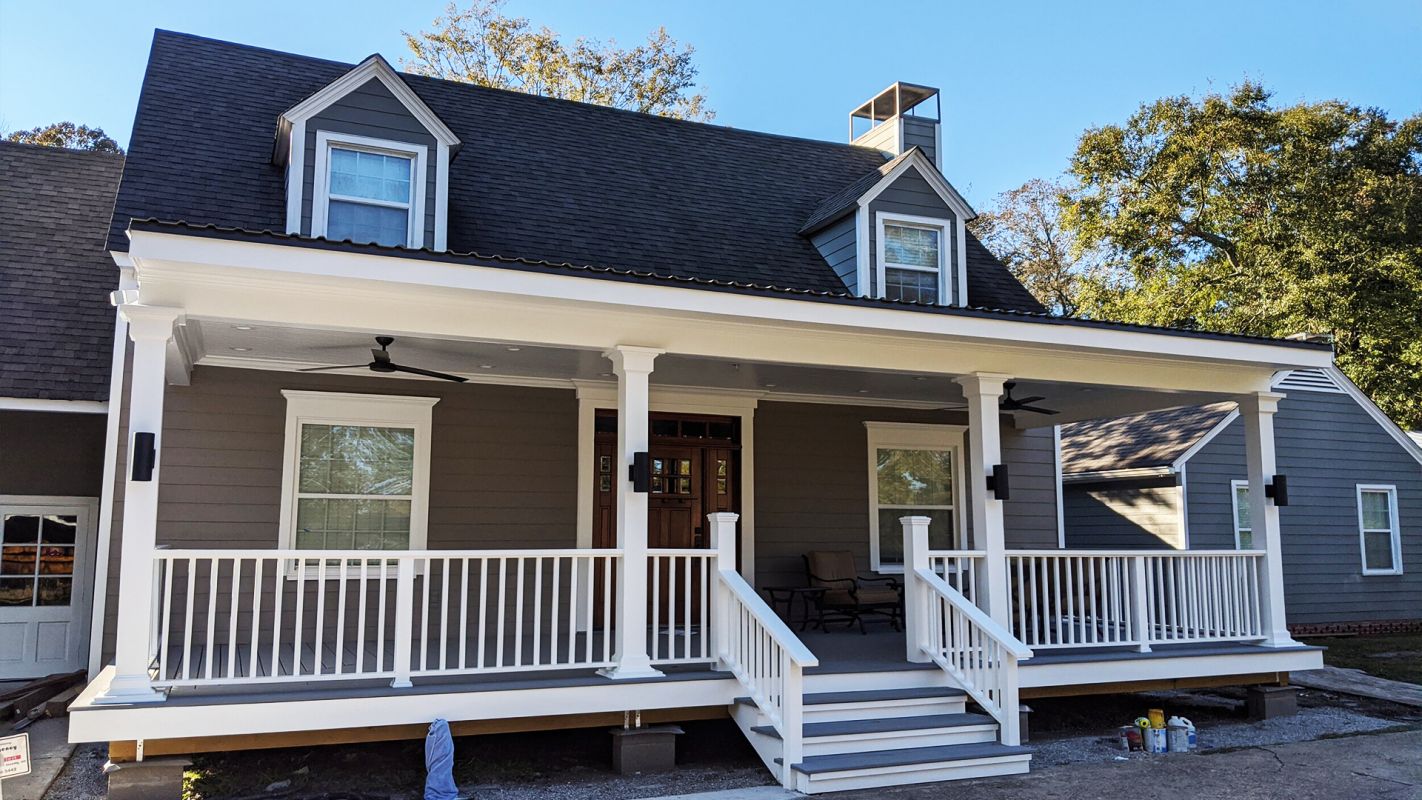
[(894, 733), (831, 773), (883, 695)]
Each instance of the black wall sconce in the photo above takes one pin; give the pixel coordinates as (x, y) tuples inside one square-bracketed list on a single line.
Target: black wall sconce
[(999, 482), (1277, 489), (640, 472), (145, 455)]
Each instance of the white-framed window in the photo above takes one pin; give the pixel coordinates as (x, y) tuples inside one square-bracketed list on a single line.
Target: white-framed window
[(913, 258), (356, 471), (368, 190), (914, 470), (1379, 532), (1243, 523)]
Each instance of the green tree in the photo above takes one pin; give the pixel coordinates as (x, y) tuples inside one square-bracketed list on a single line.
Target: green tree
[(1231, 213), (68, 135), (1024, 229), (480, 45)]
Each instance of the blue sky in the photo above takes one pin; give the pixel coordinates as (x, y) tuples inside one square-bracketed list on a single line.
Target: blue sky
[(1020, 81)]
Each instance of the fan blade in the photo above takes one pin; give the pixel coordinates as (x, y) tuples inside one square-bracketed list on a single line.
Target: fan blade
[(1025, 400), (323, 369), (1037, 409), (427, 373)]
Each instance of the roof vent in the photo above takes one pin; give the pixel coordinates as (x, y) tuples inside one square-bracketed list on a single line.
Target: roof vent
[(1308, 380), (1311, 338), (902, 116)]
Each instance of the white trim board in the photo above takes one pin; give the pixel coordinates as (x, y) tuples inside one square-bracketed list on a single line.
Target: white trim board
[(59, 406)]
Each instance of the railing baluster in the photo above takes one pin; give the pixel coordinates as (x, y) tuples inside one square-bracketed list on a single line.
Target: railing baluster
[(483, 601), (360, 616), (232, 612), (340, 652), (258, 566)]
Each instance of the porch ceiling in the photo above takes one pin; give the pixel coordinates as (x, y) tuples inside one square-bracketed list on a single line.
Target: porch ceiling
[(240, 344)]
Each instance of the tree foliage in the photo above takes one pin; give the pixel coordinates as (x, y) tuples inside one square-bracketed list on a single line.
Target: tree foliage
[(1231, 213), (69, 136), (1026, 232), (480, 45)]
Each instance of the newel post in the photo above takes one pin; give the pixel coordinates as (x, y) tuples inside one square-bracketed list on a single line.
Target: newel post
[(723, 544), (151, 329), (915, 611)]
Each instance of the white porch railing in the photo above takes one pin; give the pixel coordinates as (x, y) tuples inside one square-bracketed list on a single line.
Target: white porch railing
[(1094, 598), (682, 579), (959, 569), (942, 623), (760, 649)]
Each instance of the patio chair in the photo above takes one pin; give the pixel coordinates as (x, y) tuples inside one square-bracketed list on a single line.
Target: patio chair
[(850, 594)]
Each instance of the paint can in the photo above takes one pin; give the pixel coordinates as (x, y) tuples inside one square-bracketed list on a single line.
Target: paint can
[(1155, 739)]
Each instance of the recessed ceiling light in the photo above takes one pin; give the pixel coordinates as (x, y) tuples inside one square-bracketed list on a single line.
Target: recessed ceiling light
[(769, 385), (242, 349), (919, 378), (606, 374), (513, 349), (486, 366), (864, 391), (242, 327)]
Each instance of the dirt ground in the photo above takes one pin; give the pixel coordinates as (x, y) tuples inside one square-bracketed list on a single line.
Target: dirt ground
[(1396, 657)]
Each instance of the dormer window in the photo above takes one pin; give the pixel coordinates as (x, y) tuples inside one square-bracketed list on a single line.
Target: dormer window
[(368, 190), (913, 259)]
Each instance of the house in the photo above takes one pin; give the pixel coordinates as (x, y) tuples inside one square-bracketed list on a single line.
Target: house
[(443, 401), (1352, 528), (56, 341)]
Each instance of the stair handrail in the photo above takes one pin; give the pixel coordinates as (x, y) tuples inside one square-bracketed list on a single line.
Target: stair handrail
[(980, 654), (758, 648)]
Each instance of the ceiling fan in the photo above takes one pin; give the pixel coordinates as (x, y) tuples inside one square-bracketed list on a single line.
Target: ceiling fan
[(382, 363), (1009, 403)]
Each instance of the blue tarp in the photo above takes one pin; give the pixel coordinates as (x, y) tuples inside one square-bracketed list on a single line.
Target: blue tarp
[(439, 763)]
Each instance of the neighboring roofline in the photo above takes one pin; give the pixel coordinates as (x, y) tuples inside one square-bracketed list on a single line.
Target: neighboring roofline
[(1409, 445), (1118, 474), (915, 157), (1179, 463), (374, 67), (210, 231)]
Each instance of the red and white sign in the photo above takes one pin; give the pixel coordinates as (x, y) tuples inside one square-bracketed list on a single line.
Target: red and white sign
[(14, 756)]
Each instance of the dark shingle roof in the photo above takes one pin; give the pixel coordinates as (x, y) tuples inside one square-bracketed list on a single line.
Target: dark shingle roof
[(56, 323), (535, 178), (1152, 439), (844, 200)]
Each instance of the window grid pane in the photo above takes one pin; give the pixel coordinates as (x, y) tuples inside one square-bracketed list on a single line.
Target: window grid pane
[(913, 247), (376, 464), (911, 285), (373, 176), (367, 224)]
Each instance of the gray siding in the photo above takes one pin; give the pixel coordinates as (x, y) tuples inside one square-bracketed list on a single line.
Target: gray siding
[(836, 244), (812, 488), (911, 194), (503, 463), (923, 134), (373, 111), (1327, 445), (51, 453), (1123, 514)]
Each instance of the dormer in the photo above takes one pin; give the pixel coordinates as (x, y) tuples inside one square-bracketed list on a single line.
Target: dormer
[(898, 233), (366, 161)]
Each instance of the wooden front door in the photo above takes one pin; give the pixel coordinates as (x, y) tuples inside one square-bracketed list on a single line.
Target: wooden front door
[(694, 463)]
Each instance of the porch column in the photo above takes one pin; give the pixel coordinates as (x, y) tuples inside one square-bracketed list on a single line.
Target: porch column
[(982, 391), (1257, 411), (151, 329), (633, 366)]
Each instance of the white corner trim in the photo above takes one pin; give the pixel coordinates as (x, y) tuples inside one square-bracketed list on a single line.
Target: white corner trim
[(378, 68), (1183, 496), (861, 251), (1394, 522), (960, 241), (295, 176), (357, 409), (441, 209), (1200, 443), (945, 241), (1061, 503), (914, 436), (61, 406), (320, 193), (1351, 389)]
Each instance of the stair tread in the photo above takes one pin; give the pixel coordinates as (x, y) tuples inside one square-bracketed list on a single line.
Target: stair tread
[(813, 765), (884, 725), (877, 695)]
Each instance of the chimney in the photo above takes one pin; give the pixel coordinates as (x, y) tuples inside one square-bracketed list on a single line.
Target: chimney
[(902, 116)]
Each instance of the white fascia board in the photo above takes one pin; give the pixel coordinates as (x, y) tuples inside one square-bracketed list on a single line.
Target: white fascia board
[(1117, 474), (61, 406), (1412, 446), (378, 68), (1209, 436), (320, 287), (951, 196)]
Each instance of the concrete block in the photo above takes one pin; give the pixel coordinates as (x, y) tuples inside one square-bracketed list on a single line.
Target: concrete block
[(648, 749), (150, 779), (1268, 702)]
